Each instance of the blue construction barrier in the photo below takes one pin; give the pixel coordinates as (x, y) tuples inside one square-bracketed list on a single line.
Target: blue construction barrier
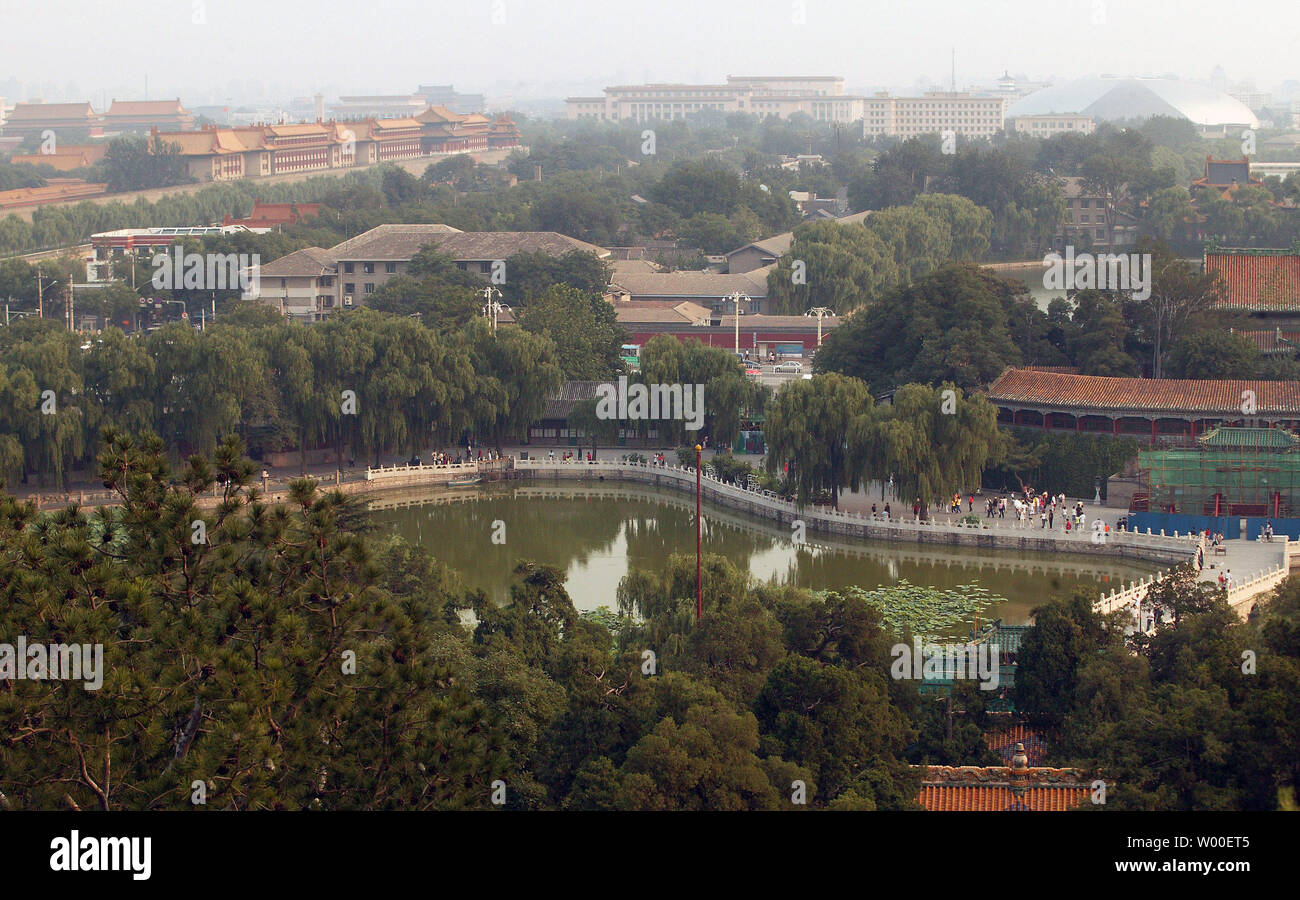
[(1230, 526)]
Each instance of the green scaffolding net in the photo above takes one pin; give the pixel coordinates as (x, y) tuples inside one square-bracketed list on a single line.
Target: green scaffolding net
[(1233, 471)]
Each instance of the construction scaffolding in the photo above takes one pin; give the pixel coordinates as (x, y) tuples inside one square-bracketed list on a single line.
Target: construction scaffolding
[(1232, 472)]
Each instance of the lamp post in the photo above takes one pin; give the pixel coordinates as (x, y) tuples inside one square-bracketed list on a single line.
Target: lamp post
[(493, 306), (699, 543), (735, 299), (820, 312)]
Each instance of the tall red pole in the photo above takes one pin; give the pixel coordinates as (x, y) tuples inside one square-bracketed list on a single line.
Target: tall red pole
[(699, 543)]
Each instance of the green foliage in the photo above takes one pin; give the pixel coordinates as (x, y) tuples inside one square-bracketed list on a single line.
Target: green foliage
[(583, 328), (930, 613), (960, 324), (531, 275), (293, 662), (1213, 354), (826, 434), (252, 373), (1059, 463), (135, 163)]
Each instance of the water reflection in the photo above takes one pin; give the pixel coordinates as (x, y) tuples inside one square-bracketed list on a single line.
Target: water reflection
[(596, 533)]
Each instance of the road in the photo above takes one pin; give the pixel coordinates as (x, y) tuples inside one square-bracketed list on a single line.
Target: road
[(768, 375)]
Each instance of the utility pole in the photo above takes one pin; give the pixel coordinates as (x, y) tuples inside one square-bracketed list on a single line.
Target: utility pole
[(40, 296)]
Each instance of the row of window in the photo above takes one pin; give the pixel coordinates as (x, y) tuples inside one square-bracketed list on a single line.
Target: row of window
[(368, 268)]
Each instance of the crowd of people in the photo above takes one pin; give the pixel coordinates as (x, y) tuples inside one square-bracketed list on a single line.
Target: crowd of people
[(441, 458)]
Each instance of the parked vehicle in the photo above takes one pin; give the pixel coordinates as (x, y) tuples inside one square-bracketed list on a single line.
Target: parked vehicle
[(789, 367)]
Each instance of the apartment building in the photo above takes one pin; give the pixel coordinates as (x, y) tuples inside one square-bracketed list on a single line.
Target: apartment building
[(1091, 220), (967, 115)]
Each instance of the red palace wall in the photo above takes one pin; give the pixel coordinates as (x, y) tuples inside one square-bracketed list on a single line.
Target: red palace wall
[(726, 337)]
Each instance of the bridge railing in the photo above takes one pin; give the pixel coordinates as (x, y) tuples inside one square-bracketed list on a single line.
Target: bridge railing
[(381, 472), (1238, 594), (1181, 543)]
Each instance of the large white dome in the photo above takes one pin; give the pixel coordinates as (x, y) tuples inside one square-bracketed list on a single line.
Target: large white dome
[(1137, 98)]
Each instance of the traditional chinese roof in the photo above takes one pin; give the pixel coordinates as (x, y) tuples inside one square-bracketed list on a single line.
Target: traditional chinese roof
[(1270, 340), (1000, 797), (1276, 439), (1003, 739), (146, 108), (65, 158), (438, 115), (24, 113), (1226, 173), (1018, 786), (1177, 396), (268, 215), (1256, 280), (1067, 370), (210, 141)]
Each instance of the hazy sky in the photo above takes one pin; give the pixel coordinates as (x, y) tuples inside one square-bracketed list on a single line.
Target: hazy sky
[(548, 48)]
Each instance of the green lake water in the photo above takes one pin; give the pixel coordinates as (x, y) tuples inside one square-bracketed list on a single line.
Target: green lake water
[(595, 534)]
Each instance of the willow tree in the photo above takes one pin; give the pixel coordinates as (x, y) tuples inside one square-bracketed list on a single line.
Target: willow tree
[(807, 429), (934, 441), (828, 264)]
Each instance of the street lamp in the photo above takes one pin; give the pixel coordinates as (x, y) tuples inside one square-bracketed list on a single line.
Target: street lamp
[(493, 307), (40, 294), (735, 299), (820, 312)]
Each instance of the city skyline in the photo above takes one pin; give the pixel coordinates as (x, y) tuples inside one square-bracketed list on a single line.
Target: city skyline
[(204, 51)]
